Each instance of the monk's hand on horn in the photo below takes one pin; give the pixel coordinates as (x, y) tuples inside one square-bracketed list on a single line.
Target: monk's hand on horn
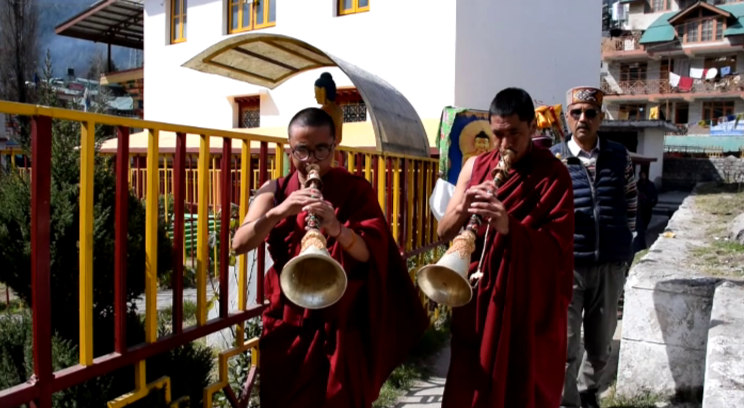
[(493, 211), (327, 215), (295, 203), (478, 193)]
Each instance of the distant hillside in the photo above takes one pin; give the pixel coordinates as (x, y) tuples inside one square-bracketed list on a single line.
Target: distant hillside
[(69, 52)]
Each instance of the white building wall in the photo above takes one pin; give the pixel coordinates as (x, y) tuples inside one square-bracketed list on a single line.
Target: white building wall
[(409, 45), (638, 19), (651, 144), (543, 46), (440, 54)]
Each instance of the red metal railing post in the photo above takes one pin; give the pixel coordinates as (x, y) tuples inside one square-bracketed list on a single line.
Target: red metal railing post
[(41, 148), (121, 240), (404, 212), (263, 160), (179, 198), (225, 225)]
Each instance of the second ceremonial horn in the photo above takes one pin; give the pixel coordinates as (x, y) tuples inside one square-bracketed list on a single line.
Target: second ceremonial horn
[(446, 282)]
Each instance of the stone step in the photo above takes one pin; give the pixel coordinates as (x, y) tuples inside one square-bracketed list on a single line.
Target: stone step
[(724, 362)]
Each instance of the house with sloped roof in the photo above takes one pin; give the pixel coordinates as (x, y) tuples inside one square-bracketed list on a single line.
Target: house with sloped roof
[(678, 60)]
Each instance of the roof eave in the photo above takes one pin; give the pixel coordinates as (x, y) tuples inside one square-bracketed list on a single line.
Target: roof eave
[(681, 15)]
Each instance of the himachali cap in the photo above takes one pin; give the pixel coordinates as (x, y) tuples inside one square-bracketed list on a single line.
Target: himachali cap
[(584, 94)]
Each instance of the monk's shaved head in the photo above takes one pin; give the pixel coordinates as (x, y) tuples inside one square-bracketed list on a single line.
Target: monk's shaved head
[(312, 117)]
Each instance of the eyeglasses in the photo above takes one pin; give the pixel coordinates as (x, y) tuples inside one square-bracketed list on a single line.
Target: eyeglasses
[(320, 153), (589, 113)]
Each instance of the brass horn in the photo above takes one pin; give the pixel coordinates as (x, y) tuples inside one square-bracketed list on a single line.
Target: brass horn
[(446, 282), (313, 279)]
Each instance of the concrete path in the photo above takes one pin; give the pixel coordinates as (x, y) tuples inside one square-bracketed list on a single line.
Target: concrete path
[(428, 394)]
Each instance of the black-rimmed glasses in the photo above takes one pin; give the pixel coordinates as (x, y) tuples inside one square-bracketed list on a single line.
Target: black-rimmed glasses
[(589, 113), (320, 153)]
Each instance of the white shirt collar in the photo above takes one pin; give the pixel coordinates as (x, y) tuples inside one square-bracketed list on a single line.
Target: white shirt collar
[(578, 152)]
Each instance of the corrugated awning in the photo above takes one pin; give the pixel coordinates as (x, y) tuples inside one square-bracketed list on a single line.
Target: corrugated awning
[(268, 60), (115, 22)]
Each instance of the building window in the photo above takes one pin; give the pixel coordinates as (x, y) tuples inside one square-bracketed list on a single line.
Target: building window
[(633, 72), (681, 113), (352, 6), (351, 104), (705, 26), (632, 112), (655, 6), (717, 109), (178, 21), (249, 109), (246, 15)]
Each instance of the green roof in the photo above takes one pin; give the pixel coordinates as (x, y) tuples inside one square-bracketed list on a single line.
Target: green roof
[(661, 31), (728, 143)]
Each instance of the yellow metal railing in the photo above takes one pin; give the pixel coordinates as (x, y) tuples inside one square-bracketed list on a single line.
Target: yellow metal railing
[(403, 185)]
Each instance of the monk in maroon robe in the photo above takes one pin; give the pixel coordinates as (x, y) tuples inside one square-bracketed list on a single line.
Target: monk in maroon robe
[(509, 342), (341, 355)]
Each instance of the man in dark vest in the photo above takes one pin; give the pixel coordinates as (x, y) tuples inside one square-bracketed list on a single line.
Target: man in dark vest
[(604, 217)]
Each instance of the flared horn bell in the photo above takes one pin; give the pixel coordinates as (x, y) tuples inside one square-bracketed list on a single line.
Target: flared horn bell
[(313, 279), (446, 282)]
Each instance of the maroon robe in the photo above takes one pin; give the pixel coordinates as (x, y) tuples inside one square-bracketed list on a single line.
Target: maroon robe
[(509, 342), (339, 356)]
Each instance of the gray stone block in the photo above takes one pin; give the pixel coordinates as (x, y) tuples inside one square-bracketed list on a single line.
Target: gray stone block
[(666, 316), (736, 230), (659, 369), (724, 372)]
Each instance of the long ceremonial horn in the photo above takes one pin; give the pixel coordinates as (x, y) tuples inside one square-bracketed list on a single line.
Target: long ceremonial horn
[(313, 279), (446, 282)]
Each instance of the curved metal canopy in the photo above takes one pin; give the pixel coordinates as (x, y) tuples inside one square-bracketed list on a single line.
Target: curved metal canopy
[(270, 59)]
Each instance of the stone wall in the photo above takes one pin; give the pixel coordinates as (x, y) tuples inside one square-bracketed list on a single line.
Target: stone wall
[(685, 173), (666, 316)]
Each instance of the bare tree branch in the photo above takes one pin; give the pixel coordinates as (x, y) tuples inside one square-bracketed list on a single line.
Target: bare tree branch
[(19, 46)]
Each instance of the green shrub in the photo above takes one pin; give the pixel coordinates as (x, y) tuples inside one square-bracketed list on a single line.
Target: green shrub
[(188, 366), (15, 235)]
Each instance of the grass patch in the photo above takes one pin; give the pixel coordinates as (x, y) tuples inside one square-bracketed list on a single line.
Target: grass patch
[(646, 400), (189, 314), (721, 258), (404, 376), (718, 205), (638, 256)]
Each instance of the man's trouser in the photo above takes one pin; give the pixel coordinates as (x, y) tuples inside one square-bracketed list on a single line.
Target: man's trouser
[(596, 292)]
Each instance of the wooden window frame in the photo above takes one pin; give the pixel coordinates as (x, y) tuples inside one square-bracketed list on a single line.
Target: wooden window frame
[(355, 9), (682, 27), (727, 107), (182, 16), (254, 25), (252, 102), (641, 71), (634, 106), (348, 97), (650, 9)]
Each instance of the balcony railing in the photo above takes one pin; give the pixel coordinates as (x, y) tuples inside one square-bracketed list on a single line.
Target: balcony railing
[(621, 44), (637, 87), (662, 86)]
